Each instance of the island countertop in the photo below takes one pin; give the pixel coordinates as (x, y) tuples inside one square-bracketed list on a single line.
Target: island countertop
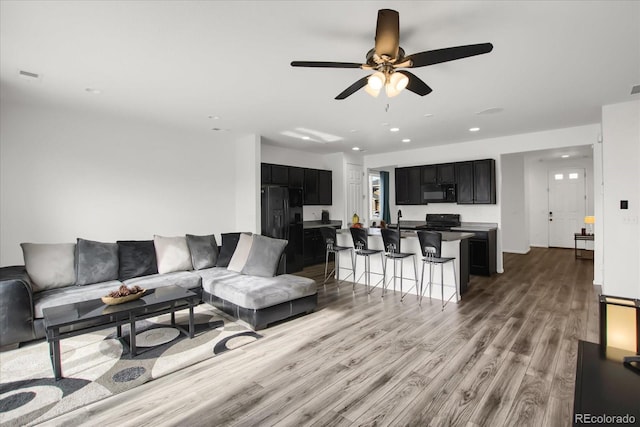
[(447, 236)]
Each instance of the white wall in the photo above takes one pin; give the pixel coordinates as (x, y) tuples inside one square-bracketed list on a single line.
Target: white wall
[(73, 173), (514, 206), (247, 183), (621, 178)]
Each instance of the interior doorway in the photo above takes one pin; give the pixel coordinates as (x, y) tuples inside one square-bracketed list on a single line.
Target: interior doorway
[(567, 205), (354, 191)]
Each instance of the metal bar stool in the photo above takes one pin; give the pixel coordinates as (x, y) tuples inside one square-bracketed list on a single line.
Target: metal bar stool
[(361, 248), (329, 237), (431, 246), (391, 241)]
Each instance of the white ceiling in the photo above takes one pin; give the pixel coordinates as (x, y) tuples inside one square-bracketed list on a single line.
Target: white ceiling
[(554, 65)]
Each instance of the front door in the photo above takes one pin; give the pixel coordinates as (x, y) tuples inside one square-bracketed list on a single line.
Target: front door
[(567, 205)]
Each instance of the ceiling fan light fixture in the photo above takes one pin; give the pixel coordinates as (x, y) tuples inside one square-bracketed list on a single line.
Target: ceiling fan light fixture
[(376, 80), (372, 92)]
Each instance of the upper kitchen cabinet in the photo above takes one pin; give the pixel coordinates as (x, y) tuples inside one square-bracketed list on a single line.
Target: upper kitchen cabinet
[(324, 187), (317, 187), (296, 177), (274, 174), (439, 174), (476, 182), (408, 186)]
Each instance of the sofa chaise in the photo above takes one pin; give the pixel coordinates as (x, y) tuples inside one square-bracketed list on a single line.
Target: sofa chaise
[(238, 278)]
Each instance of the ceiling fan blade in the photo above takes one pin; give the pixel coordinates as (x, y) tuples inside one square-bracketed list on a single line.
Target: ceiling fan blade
[(416, 85), (388, 33), (321, 64), (353, 88), (437, 56)]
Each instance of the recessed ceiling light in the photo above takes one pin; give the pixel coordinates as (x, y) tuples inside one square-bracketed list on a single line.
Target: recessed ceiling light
[(356, 148), (306, 137), (385, 124), (93, 90), (406, 140), (394, 129), (564, 156), (214, 117), (353, 130), (428, 115), (474, 129)]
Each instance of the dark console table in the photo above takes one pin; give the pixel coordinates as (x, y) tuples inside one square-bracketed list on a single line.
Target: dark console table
[(604, 388), (585, 238)]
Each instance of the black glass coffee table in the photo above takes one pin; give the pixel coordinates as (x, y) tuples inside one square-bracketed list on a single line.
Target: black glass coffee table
[(69, 320)]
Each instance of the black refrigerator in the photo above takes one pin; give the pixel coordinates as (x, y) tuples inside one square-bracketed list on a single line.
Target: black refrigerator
[(282, 219)]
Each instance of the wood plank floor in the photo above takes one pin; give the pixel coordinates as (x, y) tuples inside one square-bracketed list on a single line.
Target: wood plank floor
[(504, 356)]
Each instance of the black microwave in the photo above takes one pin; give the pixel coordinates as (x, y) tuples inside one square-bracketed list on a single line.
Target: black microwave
[(439, 193)]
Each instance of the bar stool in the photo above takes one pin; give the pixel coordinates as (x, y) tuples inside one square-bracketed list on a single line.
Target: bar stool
[(329, 237), (431, 246), (391, 241), (361, 248)]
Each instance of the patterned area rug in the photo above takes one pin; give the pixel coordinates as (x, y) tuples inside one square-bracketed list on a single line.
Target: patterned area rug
[(97, 365)]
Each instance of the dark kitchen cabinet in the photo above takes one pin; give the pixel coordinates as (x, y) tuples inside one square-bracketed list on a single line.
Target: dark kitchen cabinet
[(446, 173), (265, 173), (408, 186), (314, 247), (476, 182), (439, 174), (464, 182), (317, 187), (324, 187), (482, 252), (311, 187), (274, 174), (296, 177), (484, 181)]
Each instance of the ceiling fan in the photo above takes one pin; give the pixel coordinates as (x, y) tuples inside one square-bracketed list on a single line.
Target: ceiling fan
[(387, 57)]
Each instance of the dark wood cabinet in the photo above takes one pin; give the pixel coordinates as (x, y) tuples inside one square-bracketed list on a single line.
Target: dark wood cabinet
[(476, 182), (318, 187), (464, 182), (439, 174), (311, 187), (484, 181), (296, 177), (446, 173), (315, 183), (482, 252), (408, 186), (429, 174), (314, 247), (324, 187)]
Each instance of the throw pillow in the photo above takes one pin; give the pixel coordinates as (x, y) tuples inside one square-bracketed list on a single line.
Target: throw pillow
[(172, 254), (241, 253), (49, 265), (96, 262), (136, 258), (229, 243), (264, 256), (204, 251)]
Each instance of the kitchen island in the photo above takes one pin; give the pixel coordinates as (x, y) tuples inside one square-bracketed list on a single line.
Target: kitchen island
[(454, 244)]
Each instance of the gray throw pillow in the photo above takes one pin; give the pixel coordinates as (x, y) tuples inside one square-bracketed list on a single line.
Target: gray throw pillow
[(264, 256), (172, 254), (96, 262), (241, 254), (49, 265), (204, 251)]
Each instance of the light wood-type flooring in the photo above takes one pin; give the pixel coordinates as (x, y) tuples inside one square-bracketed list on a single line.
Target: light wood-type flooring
[(504, 356)]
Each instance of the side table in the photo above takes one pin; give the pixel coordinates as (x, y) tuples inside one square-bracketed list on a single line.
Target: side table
[(583, 237)]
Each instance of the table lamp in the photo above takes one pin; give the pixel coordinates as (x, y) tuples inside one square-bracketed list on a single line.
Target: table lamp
[(589, 220), (620, 328)]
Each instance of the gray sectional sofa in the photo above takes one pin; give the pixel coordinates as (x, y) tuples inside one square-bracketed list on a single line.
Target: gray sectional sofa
[(238, 278)]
